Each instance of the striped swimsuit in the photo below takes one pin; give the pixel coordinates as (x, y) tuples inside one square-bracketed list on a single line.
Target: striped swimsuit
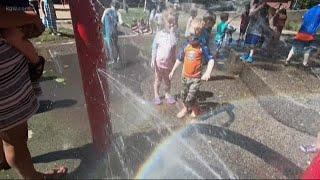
[(18, 101)]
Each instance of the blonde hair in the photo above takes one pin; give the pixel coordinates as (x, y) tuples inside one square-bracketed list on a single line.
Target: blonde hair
[(196, 24), (169, 15)]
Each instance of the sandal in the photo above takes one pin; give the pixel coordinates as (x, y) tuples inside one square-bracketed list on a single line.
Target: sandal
[(171, 100), (157, 101), (308, 148), (58, 173)]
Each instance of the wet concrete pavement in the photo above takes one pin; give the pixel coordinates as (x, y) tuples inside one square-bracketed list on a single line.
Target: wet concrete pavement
[(252, 126)]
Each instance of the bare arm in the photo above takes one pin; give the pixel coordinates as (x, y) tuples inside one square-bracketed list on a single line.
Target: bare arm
[(254, 10), (206, 76), (176, 65)]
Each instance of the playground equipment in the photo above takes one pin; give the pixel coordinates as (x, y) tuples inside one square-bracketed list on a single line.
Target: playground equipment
[(92, 57)]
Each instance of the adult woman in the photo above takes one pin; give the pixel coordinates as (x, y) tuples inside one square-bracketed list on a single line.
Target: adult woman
[(17, 101)]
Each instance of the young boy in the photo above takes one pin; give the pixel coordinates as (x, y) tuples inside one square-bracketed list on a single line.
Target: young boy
[(304, 42), (110, 33), (191, 55), (255, 29), (222, 28), (209, 20)]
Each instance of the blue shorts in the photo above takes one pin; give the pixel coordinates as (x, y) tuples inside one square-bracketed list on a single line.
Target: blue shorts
[(253, 40), (300, 47), (218, 45)]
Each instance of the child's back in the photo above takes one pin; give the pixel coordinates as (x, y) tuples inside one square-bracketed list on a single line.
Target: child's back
[(221, 28)]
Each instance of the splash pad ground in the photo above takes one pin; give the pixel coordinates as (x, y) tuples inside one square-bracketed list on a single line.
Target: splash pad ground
[(252, 129)]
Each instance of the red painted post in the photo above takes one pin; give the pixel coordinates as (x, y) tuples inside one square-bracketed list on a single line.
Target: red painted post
[(91, 54)]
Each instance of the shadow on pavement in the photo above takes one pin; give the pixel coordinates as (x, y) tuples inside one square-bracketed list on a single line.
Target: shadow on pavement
[(47, 105), (48, 78), (268, 155)]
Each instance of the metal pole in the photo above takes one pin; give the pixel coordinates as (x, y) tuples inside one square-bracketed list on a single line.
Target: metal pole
[(91, 55)]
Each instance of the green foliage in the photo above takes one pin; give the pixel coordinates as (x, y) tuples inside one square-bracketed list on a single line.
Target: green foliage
[(134, 14), (293, 26), (306, 4)]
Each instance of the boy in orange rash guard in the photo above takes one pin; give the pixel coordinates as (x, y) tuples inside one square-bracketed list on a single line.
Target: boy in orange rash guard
[(191, 55)]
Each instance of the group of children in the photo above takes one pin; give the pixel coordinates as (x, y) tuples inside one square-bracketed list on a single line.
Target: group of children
[(258, 26), (192, 54)]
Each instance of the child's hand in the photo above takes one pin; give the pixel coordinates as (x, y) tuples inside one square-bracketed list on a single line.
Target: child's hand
[(171, 75), (205, 77)]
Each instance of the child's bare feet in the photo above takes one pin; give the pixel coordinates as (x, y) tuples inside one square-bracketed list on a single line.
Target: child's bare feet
[(182, 113), (58, 173), (195, 111)]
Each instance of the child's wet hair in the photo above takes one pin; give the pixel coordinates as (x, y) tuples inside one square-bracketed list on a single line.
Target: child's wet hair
[(196, 24), (209, 16), (169, 16), (224, 17), (193, 12)]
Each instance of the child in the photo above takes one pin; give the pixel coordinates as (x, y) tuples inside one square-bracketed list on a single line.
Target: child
[(304, 41), (110, 33), (163, 57), (222, 27), (158, 18), (254, 30), (277, 23), (50, 17), (244, 23), (18, 38), (209, 20), (191, 55), (193, 14)]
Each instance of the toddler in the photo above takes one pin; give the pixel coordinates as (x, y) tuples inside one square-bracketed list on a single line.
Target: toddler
[(222, 28), (163, 57), (191, 55)]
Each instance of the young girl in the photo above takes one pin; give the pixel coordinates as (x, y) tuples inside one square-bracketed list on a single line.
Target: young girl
[(163, 57)]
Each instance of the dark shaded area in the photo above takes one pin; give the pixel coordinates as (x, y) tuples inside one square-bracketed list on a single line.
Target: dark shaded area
[(66, 34), (48, 78), (280, 108), (212, 109), (273, 158), (48, 105), (221, 78), (136, 148)]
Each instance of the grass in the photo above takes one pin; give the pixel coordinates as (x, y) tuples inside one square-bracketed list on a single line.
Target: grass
[(47, 37), (293, 26), (134, 14)]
